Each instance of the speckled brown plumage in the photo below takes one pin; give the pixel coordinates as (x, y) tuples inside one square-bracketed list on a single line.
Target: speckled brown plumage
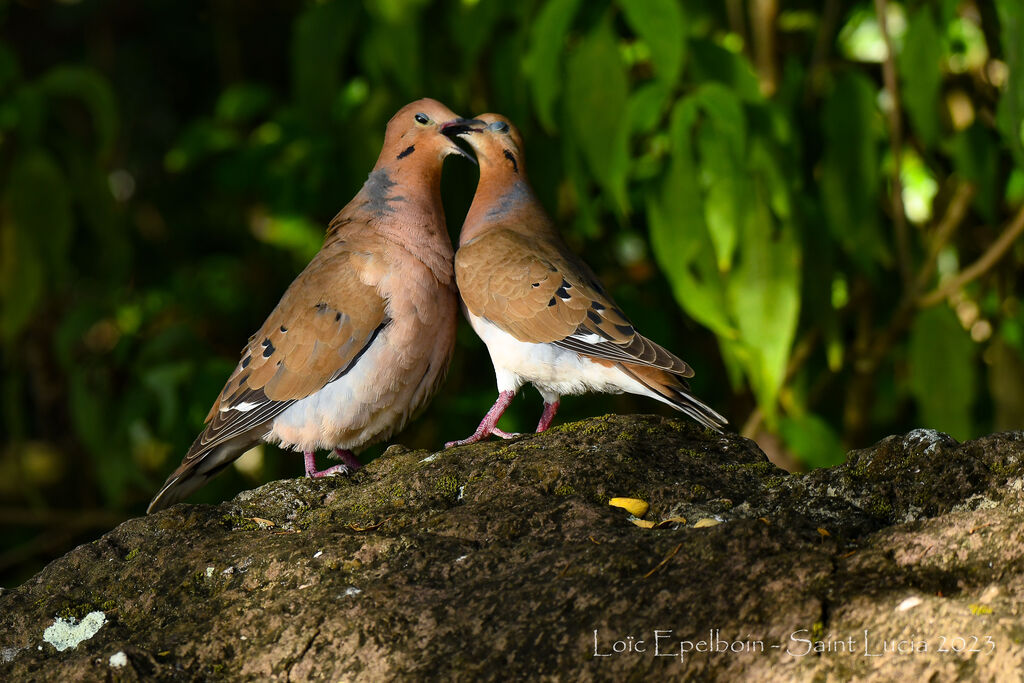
[(362, 338), (545, 317)]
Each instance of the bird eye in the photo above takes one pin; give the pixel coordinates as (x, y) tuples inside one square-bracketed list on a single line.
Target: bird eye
[(498, 127), (422, 119)]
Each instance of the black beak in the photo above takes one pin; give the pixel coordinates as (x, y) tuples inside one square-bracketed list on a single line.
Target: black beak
[(460, 126), (453, 129)]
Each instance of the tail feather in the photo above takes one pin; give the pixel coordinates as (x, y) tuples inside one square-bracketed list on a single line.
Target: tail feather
[(673, 390), (197, 469)]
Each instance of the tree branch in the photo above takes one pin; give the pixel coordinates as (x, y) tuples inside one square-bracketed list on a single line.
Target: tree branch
[(894, 121), (951, 220), (985, 262)]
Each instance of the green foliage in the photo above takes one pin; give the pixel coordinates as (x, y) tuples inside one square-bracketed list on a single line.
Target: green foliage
[(595, 99), (921, 61), (736, 196), (943, 374)]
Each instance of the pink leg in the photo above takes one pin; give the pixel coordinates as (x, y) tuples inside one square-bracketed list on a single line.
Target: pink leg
[(547, 416), (311, 471), (349, 458), (488, 425)]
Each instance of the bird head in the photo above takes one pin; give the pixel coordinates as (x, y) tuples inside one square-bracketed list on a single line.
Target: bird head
[(420, 130), (494, 140)]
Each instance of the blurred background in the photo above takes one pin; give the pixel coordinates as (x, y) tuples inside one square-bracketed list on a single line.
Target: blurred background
[(815, 203)]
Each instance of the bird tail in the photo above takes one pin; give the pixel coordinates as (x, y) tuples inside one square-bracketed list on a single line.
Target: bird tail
[(672, 389), (197, 469)]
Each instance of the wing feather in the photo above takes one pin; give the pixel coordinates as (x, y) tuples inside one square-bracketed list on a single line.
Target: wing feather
[(540, 292)]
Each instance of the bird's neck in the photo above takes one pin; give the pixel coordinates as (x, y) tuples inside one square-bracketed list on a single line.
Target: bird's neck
[(403, 205), (503, 200)]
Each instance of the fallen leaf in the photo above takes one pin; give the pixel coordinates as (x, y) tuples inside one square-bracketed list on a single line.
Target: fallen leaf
[(669, 522), (634, 506)]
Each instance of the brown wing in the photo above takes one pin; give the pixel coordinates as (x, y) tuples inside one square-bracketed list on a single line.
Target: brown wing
[(326, 320), (538, 291)]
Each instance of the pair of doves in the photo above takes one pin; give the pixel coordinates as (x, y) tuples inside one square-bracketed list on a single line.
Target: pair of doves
[(362, 339)]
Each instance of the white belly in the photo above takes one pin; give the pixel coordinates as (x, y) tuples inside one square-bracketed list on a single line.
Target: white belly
[(553, 370), (354, 410)]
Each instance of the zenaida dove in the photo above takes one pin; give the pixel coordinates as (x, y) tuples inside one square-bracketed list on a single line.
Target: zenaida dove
[(542, 313), (362, 338)]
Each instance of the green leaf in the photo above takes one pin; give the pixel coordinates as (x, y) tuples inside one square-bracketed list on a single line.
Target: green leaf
[(40, 207), (713, 63), (975, 155), (595, 99), (292, 233), (943, 377), (764, 297), (661, 25), (93, 90), (472, 25), (646, 105), (679, 238), (543, 60), (21, 280), (850, 169), (320, 38), (243, 102), (921, 71), (813, 441), (722, 140), (1010, 112)]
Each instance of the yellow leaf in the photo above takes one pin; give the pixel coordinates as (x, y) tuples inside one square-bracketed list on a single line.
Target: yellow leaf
[(634, 506), (643, 523), (707, 521)]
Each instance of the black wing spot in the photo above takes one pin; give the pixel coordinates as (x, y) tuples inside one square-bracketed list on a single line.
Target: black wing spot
[(562, 294), (566, 284), (597, 305), (535, 284), (407, 151), (625, 329), (268, 348), (337, 317), (245, 361), (511, 157), (321, 307), (283, 329), (594, 317), (552, 302)]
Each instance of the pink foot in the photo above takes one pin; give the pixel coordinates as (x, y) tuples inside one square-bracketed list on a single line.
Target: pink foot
[(547, 416), (349, 458), (313, 473), (489, 424)]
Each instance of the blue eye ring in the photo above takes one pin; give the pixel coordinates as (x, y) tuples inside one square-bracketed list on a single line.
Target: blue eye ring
[(498, 127)]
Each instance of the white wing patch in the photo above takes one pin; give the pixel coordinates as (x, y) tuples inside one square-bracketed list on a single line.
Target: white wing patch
[(590, 338), (243, 407)]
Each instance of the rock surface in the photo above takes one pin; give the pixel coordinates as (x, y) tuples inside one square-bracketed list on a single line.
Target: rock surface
[(503, 560)]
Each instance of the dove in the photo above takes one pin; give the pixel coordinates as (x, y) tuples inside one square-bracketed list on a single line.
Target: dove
[(542, 313), (362, 338)]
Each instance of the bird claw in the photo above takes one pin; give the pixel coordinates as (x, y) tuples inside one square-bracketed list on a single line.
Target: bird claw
[(480, 436), (333, 471)]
